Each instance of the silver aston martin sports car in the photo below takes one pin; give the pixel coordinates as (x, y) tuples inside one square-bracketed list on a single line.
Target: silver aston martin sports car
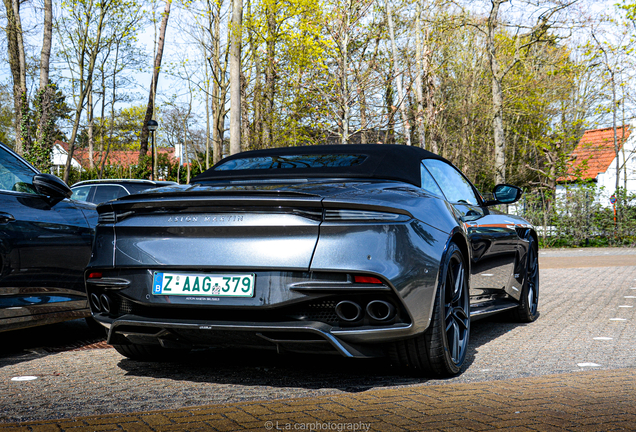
[(358, 250)]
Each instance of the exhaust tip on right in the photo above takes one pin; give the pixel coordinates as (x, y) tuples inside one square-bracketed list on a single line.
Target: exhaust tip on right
[(380, 310)]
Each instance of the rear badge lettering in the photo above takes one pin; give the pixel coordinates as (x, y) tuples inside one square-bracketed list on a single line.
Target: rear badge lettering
[(219, 219)]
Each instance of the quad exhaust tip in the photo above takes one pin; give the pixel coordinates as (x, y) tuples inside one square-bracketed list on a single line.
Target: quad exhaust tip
[(105, 304), (377, 310), (95, 303), (380, 310), (348, 311)]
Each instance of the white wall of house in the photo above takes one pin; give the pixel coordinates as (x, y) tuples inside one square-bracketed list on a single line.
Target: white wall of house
[(606, 181), (58, 160)]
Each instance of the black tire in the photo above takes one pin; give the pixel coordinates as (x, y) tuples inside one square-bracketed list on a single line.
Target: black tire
[(528, 309), (151, 353), (441, 350)]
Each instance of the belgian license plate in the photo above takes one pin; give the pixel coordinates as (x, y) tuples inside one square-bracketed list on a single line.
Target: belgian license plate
[(212, 285)]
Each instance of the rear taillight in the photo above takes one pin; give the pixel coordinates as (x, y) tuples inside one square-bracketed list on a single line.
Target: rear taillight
[(106, 218), (332, 215)]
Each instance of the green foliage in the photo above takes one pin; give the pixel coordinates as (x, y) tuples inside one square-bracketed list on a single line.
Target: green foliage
[(6, 115), (40, 125), (291, 32), (125, 128), (576, 218)]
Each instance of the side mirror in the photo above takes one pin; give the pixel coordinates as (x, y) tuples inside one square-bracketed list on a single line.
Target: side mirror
[(49, 185), (505, 194)]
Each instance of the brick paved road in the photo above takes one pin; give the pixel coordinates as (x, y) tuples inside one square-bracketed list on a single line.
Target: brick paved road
[(585, 401), (587, 317)]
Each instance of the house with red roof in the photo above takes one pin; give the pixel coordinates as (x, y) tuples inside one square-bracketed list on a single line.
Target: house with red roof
[(81, 157), (59, 156), (594, 160)]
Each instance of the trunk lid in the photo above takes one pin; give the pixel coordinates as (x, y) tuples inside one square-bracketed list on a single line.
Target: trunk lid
[(209, 228)]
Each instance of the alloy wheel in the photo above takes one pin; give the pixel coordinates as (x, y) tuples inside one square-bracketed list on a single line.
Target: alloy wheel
[(457, 315), (533, 279)]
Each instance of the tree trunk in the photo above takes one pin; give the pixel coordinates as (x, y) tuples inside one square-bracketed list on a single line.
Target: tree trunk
[(431, 114), (257, 122), (389, 136), (219, 88), (18, 70), (155, 78), (185, 145), (614, 108), (235, 76), (419, 90), (245, 125), (85, 86), (90, 114), (112, 115), (497, 95), (207, 118), (47, 37), (398, 75), (364, 121), (344, 128), (45, 93), (270, 77)]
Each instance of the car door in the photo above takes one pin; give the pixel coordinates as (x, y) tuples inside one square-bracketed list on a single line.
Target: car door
[(44, 247), (493, 239)]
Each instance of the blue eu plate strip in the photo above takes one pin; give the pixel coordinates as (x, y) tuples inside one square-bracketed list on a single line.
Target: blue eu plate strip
[(158, 283)]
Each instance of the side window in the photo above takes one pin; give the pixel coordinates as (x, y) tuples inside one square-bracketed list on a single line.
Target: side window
[(15, 175), (81, 193), (454, 185), (427, 182)]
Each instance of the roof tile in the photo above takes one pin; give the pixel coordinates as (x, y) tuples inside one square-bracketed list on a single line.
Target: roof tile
[(594, 153)]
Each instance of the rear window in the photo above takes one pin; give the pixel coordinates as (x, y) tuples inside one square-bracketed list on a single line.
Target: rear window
[(136, 188), (292, 161), (105, 193)]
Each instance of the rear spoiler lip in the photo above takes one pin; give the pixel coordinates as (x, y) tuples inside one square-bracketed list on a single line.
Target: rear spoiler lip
[(204, 198)]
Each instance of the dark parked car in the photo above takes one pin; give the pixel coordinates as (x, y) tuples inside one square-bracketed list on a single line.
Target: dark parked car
[(99, 191), (361, 250), (45, 244)]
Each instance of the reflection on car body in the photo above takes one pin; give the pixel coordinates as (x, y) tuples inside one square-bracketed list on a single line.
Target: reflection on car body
[(358, 250), (45, 244)]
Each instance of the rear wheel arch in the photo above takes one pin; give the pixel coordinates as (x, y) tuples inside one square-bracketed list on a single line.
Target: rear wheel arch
[(534, 236), (441, 349), (461, 242)]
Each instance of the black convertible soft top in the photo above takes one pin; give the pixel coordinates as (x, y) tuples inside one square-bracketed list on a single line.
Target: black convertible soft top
[(379, 161)]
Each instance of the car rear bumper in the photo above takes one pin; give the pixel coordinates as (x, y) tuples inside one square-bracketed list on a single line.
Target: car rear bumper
[(308, 336)]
